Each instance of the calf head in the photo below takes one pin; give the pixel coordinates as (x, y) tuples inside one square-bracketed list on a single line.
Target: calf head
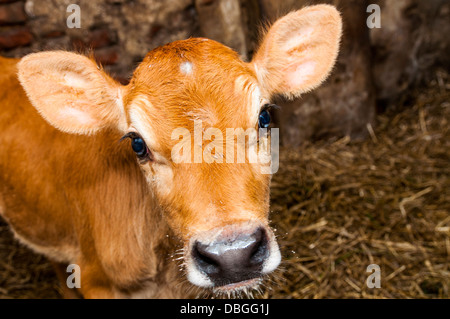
[(176, 111)]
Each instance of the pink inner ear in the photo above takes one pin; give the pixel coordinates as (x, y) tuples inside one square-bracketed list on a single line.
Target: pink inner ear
[(75, 115), (299, 73), (298, 38)]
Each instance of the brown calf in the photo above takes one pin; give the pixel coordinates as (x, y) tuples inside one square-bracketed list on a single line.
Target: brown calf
[(73, 189)]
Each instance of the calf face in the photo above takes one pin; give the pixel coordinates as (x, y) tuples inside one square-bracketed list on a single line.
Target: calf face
[(218, 206)]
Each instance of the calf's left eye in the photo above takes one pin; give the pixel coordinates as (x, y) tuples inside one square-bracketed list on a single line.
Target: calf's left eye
[(264, 119)]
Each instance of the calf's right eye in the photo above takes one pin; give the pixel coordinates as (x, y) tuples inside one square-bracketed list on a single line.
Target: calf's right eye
[(138, 145)]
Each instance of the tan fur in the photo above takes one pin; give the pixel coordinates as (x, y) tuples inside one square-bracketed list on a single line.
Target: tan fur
[(72, 191)]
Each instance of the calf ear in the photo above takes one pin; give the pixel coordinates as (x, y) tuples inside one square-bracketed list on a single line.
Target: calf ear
[(70, 91), (299, 51)]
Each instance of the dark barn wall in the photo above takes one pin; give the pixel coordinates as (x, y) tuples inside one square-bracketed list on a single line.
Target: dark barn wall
[(345, 104), (376, 67), (413, 41)]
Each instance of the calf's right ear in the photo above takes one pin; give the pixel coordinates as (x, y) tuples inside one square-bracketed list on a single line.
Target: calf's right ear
[(70, 91)]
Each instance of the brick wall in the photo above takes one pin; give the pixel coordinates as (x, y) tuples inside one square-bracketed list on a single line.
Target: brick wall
[(119, 32), (14, 32)]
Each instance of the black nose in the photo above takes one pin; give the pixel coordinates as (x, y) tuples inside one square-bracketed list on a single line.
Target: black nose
[(234, 258)]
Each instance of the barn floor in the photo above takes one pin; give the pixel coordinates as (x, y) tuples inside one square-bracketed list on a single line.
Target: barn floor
[(337, 207)]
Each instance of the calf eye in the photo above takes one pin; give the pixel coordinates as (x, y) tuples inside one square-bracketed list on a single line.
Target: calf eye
[(138, 145), (264, 119)]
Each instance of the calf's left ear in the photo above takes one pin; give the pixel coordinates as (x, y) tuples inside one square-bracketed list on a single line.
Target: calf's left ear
[(71, 92), (299, 51)]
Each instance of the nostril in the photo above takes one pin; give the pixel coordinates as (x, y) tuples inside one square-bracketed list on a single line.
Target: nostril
[(260, 249), (205, 260)]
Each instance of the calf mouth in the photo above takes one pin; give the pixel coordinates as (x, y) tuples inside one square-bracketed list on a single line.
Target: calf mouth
[(239, 289)]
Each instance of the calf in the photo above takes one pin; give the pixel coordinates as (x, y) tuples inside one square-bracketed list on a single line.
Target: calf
[(92, 172)]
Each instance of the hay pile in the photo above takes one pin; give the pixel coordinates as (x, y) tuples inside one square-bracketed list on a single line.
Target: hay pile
[(338, 207)]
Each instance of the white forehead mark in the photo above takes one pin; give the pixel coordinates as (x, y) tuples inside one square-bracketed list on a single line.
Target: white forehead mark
[(186, 68)]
